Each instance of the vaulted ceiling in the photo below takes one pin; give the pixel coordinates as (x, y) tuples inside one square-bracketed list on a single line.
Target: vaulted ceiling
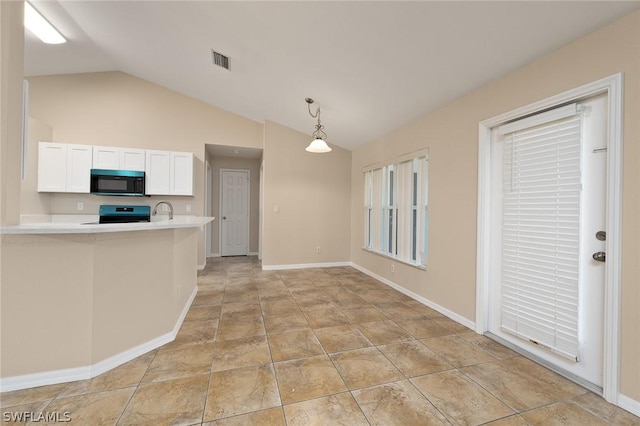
[(371, 66)]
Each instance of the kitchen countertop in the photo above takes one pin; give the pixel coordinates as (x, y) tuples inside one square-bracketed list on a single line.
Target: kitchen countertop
[(53, 227)]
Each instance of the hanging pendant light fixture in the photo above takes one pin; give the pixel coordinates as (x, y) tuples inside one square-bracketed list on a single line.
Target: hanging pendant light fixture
[(318, 144)]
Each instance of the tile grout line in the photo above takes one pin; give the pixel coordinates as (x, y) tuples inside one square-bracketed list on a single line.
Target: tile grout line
[(338, 370), (273, 365), (124, 409)]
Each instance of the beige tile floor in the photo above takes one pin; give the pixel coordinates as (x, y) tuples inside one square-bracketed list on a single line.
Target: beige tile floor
[(324, 346)]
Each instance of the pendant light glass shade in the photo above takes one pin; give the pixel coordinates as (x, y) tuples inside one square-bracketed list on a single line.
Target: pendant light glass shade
[(318, 146)]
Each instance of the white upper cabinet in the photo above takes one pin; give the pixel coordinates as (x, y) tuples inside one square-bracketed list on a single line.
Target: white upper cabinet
[(157, 172), (52, 167), (67, 167), (112, 158), (64, 167), (106, 157), (79, 168), (181, 173), (132, 159), (169, 173)]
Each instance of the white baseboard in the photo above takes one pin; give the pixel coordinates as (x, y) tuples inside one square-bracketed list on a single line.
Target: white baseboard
[(214, 255), (629, 404), (444, 311), (128, 355), (45, 378), (253, 253), (83, 373), (185, 311), (304, 266)]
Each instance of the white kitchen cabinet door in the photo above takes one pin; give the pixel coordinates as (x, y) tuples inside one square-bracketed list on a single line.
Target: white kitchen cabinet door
[(157, 172), (181, 173), (52, 167), (64, 167), (79, 160), (132, 159), (113, 158), (106, 157)]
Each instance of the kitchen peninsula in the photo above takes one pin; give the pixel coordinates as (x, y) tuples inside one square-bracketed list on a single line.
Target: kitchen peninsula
[(91, 297)]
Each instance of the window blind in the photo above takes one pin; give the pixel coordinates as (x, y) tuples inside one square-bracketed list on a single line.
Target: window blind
[(541, 232), (368, 207), (404, 205), (376, 212)]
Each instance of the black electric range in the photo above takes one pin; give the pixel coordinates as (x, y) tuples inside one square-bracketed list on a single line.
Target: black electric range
[(124, 214)]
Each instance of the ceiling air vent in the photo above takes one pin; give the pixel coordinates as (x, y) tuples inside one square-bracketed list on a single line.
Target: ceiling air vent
[(220, 60)]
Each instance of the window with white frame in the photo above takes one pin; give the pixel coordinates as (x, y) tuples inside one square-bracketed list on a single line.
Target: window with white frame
[(396, 208)]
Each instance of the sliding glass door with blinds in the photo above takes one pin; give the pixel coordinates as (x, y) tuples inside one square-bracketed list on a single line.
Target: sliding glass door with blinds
[(541, 230), (549, 200)]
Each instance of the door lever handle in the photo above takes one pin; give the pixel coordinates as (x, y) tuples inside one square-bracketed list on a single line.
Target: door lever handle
[(599, 256)]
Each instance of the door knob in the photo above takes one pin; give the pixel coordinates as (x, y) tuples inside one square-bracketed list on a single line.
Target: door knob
[(599, 256)]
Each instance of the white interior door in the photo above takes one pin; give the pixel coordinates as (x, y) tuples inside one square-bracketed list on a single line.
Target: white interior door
[(589, 273), (234, 212)]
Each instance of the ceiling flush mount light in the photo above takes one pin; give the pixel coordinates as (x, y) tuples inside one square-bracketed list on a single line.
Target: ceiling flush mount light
[(39, 26), (318, 144)]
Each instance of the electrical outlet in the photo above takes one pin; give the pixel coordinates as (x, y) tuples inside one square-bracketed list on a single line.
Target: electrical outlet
[(165, 207), (188, 208), (393, 268), (80, 206), (318, 249)]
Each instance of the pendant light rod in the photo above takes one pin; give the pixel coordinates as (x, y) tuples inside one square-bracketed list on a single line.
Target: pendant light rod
[(309, 101)]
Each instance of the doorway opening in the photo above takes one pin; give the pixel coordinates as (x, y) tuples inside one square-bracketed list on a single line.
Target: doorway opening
[(245, 241)]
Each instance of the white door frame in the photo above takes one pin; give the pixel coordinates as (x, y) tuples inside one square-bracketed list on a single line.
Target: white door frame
[(612, 86), (261, 211), (248, 208), (208, 184)]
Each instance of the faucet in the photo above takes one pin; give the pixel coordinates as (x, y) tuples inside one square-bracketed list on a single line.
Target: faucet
[(155, 208)]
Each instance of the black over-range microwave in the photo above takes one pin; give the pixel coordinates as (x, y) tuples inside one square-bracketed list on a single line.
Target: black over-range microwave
[(117, 182)]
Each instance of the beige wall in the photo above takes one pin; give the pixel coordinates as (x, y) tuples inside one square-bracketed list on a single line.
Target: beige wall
[(253, 165), (30, 199), (74, 300), (451, 134), (47, 302), (11, 72), (116, 109), (312, 194)]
